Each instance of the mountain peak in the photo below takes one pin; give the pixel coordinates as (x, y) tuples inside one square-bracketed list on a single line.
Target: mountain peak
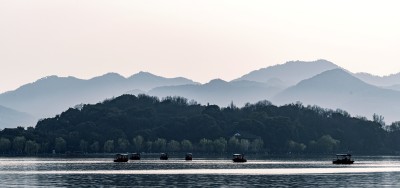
[(12, 118), (338, 88), (143, 74), (291, 72), (316, 62), (335, 72), (109, 76), (112, 74), (48, 80), (48, 77), (382, 81), (334, 79), (217, 81)]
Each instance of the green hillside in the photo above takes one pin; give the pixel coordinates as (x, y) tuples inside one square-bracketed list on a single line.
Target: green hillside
[(148, 124)]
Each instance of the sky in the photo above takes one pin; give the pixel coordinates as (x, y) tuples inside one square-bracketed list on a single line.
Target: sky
[(200, 40)]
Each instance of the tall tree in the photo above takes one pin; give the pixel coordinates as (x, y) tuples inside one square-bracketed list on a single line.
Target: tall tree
[(19, 144), (109, 146), (60, 145), (220, 145), (160, 144), (234, 144), (138, 142), (83, 146), (379, 119), (5, 144), (206, 145), (95, 147), (123, 144), (186, 145), (31, 147), (257, 145), (174, 146)]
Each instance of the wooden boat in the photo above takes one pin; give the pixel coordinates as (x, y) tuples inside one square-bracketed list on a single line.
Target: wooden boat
[(121, 158), (164, 156), (239, 158), (343, 159), (134, 156), (188, 156)]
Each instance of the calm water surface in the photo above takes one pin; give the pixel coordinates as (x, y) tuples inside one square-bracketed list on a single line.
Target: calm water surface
[(283, 172)]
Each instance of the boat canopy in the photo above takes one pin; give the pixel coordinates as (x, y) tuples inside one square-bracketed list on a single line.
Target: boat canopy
[(343, 154)]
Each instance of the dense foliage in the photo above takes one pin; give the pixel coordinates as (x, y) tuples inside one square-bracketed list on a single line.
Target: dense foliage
[(144, 123)]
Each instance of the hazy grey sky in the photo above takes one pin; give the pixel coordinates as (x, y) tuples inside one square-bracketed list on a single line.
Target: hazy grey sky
[(200, 40)]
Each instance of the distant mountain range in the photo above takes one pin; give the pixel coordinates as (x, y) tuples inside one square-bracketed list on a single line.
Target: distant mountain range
[(318, 82), (221, 92), (51, 95), (289, 73), (339, 89), (10, 117), (255, 86), (392, 80)]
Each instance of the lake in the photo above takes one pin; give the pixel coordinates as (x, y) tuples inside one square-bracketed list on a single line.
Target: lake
[(368, 171)]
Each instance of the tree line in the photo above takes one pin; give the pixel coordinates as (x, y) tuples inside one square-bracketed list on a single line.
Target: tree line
[(145, 123), (19, 145)]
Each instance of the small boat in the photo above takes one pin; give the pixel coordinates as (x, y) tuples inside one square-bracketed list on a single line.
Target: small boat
[(343, 159), (188, 156), (121, 158), (238, 158), (135, 156), (164, 156)]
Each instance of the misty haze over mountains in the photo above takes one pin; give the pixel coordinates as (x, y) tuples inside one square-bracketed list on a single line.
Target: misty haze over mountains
[(221, 92), (339, 89), (319, 83), (289, 73), (385, 81), (13, 118), (52, 95)]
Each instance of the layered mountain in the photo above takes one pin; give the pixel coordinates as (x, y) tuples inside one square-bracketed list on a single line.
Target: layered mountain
[(383, 81), (13, 118), (339, 89), (51, 95), (317, 83), (290, 73), (145, 81), (221, 92), (394, 87)]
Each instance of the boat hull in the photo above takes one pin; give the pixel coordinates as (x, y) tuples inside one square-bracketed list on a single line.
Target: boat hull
[(120, 160), (164, 156), (239, 160), (188, 158), (342, 162), (134, 158)]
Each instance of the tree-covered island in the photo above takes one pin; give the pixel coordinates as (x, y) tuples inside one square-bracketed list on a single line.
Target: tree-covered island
[(147, 124)]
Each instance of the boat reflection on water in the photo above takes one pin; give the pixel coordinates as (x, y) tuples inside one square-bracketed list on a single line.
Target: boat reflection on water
[(286, 171)]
